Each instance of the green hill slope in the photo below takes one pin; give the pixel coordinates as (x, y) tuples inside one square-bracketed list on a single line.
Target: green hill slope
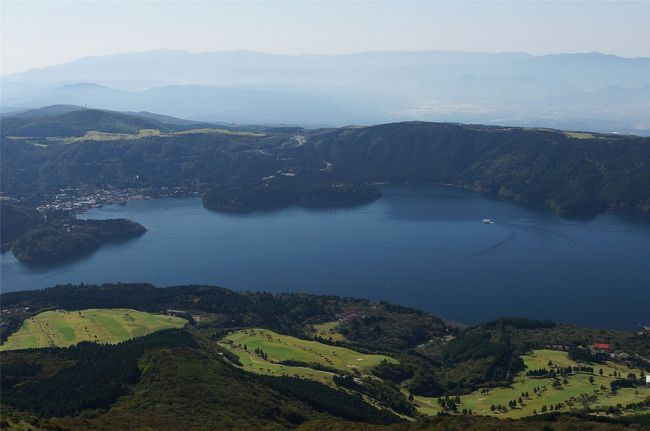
[(65, 328), (199, 377), (77, 123)]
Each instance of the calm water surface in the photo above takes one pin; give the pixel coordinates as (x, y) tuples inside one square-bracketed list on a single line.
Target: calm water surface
[(424, 247)]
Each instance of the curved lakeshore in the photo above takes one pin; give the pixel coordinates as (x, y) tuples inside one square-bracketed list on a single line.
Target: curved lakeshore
[(413, 246)]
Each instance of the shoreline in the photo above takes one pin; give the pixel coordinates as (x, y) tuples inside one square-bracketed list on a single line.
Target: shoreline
[(181, 193)]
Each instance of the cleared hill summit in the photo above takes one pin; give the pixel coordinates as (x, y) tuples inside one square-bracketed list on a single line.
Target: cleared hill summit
[(72, 121)]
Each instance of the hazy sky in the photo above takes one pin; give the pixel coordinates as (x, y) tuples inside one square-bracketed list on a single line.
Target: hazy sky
[(36, 34)]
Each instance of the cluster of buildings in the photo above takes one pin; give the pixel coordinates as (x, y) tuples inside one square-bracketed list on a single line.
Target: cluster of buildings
[(17, 310), (5, 312), (604, 348), (76, 200), (346, 316)]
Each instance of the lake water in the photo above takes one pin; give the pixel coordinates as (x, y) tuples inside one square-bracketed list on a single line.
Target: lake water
[(424, 247)]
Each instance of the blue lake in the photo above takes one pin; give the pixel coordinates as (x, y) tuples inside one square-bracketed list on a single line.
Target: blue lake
[(424, 247)]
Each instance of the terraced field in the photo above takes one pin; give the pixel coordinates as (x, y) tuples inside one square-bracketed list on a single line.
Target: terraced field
[(278, 348), (575, 395), (65, 328)]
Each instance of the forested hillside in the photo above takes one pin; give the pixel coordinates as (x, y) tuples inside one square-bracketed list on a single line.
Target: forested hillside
[(185, 378), (569, 172), (65, 239), (15, 220), (76, 123)]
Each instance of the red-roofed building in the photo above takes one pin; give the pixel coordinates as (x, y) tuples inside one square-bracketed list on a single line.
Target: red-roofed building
[(600, 346)]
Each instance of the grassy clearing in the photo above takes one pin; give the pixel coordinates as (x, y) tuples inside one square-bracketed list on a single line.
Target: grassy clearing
[(107, 136), (65, 328), (143, 133), (279, 348), (328, 331), (28, 140), (580, 135), (577, 394), (220, 131), (538, 129)]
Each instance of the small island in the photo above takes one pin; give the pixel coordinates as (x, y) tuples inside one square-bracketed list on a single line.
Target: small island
[(65, 239)]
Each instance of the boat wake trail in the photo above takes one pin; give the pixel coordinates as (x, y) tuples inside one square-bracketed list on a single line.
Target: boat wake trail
[(425, 250), (542, 230), (491, 248), (482, 252)]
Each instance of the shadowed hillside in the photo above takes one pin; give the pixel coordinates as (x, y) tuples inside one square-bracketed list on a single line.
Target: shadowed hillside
[(569, 172)]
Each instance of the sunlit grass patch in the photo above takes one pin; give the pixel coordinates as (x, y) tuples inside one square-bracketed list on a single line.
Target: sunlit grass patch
[(576, 394), (580, 135), (220, 131), (249, 344), (64, 328), (328, 331)]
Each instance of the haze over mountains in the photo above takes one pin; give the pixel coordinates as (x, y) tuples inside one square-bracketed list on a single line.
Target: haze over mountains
[(568, 91)]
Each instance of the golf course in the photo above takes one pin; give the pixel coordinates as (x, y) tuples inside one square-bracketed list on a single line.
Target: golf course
[(59, 328), (575, 393), (266, 352)]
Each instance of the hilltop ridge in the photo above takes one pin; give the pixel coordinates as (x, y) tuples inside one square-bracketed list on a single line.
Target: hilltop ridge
[(73, 121), (569, 172)]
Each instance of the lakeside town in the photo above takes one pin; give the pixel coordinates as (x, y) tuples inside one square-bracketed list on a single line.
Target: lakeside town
[(74, 200)]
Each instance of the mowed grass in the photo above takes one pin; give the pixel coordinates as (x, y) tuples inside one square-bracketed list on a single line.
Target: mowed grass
[(280, 348), (571, 394), (64, 328)]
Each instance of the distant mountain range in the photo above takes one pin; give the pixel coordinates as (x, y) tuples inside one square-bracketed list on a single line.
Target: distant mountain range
[(587, 91)]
